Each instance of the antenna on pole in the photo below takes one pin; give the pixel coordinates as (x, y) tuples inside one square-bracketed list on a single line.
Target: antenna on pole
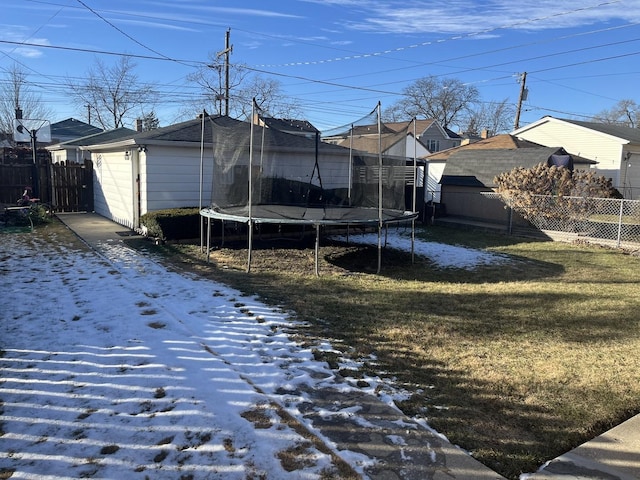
[(523, 97), (228, 48)]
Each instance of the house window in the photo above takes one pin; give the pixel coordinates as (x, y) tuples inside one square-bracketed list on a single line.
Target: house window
[(433, 145)]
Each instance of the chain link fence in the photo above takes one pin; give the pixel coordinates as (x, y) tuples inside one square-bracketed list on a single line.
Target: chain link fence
[(606, 221)]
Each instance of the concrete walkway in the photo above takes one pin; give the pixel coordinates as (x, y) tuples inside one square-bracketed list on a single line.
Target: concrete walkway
[(614, 455)]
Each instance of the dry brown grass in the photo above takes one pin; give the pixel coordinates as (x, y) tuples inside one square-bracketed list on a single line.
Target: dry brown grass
[(517, 363)]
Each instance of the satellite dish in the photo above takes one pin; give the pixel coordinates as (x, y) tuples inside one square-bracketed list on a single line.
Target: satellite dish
[(24, 128)]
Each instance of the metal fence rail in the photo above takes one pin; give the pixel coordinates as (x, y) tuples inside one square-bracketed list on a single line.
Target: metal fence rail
[(608, 221)]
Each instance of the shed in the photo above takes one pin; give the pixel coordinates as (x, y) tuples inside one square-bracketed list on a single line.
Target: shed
[(438, 160), (469, 172)]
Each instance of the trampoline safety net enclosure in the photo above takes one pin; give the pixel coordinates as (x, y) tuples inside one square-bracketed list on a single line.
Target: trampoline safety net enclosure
[(287, 172)]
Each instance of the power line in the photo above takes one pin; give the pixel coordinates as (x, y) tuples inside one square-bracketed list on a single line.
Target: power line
[(124, 33), (105, 52), (452, 38)]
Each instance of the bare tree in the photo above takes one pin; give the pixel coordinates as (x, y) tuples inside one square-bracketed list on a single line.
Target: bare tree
[(625, 112), (494, 117), (269, 97), (244, 86), (211, 79), (16, 93), (447, 100), (112, 93)]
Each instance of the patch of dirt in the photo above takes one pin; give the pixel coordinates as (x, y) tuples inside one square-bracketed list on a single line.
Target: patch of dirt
[(109, 449), (297, 457), (161, 456), (258, 416)]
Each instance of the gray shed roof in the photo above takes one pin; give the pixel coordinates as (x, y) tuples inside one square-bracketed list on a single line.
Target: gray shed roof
[(108, 136), (224, 131), (478, 168)]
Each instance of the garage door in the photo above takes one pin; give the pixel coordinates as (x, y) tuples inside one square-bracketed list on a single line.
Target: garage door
[(114, 187)]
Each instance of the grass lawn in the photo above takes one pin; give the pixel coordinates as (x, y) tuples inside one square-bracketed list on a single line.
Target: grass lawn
[(517, 362)]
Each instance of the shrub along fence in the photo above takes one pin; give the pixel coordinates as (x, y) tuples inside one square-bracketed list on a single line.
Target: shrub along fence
[(607, 221)]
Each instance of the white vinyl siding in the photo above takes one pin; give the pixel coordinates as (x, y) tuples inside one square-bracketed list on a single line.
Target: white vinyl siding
[(170, 178), (434, 174), (113, 187), (603, 149)]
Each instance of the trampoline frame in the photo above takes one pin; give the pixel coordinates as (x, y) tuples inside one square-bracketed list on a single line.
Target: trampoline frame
[(389, 216)]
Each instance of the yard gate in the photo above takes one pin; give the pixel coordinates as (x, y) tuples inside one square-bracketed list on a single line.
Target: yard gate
[(66, 187)]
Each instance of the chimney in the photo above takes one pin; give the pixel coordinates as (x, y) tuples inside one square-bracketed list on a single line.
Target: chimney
[(484, 134), (138, 124)]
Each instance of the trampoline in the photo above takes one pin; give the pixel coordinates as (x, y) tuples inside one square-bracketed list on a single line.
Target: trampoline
[(264, 173)]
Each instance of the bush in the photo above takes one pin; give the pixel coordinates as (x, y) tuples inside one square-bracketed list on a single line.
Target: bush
[(29, 215), (521, 188), (172, 224)]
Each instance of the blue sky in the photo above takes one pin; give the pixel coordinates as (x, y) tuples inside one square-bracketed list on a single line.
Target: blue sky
[(338, 58)]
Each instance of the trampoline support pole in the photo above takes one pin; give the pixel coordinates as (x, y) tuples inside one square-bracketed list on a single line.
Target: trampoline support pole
[(317, 249)]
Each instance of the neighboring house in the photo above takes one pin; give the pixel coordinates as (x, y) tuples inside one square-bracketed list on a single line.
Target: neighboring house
[(391, 144), (71, 150), (435, 137), (470, 171), (163, 168), (614, 149), (431, 135), (70, 129), (394, 144)]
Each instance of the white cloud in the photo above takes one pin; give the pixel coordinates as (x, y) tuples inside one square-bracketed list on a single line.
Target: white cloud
[(15, 33), (26, 52), (463, 15)]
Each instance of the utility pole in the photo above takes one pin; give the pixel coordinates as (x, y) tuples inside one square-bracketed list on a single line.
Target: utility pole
[(523, 97), (228, 48)]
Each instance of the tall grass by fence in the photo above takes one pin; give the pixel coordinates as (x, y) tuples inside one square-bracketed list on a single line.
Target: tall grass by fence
[(608, 221)]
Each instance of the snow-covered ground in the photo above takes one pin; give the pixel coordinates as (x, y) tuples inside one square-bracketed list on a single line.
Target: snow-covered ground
[(440, 254), (113, 366)]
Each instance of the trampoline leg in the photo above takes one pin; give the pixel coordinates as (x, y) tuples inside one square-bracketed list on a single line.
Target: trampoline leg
[(202, 220), (250, 246), (413, 241), (379, 249), (317, 249), (208, 239)]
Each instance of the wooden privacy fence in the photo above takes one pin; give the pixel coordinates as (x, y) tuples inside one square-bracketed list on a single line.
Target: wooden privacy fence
[(67, 187)]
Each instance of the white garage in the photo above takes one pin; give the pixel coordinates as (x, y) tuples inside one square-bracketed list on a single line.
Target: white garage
[(152, 170)]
